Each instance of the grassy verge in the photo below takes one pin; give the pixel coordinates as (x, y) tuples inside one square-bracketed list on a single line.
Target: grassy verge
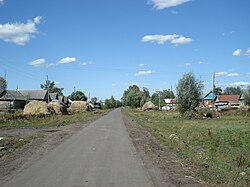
[(46, 120), (10, 143), (217, 150)]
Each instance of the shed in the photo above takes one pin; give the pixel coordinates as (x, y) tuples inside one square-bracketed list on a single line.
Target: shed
[(35, 95), (12, 99), (224, 101)]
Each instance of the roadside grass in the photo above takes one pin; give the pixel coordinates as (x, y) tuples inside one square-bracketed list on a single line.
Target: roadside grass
[(10, 143), (43, 121), (216, 150)]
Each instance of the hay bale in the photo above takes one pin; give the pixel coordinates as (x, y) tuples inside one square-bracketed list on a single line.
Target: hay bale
[(78, 106), (36, 108), (57, 107), (148, 106)]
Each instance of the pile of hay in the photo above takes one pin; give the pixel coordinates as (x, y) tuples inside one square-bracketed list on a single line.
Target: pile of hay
[(78, 106), (36, 108), (148, 106), (57, 107)]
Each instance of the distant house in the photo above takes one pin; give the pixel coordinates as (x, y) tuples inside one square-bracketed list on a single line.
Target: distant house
[(54, 96), (228, 101), (208, 99), (170, 104), (36, 95), (10, 99)]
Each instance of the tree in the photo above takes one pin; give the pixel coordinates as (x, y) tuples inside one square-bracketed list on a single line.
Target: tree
[(247, 95), (110, 103), (77, 96), (218, 90), (3, 84), (50, 85), (233, 91), (132, 97), (189, 90)]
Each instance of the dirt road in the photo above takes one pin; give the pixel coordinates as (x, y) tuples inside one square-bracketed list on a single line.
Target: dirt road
[(101, 154)]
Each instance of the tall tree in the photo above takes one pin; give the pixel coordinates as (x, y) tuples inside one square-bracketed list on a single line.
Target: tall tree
[(218, 90), (3, 84), (232, 91), (247, 95), (132, 96), (188, 93), (50, 85), (77, 96)]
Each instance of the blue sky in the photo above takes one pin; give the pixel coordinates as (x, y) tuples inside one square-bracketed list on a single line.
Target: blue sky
[(102, 47)]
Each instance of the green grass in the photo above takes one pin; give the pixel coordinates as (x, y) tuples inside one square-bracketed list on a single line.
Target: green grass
[(20, 121), (217, 150), (11, 143)]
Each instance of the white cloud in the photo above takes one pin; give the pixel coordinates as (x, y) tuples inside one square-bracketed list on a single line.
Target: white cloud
[(144, 73), (187, 64), (225, 74), (238, 52), (114, 85), (248, 52), (239, 84), (41, 62), (67, 60), (161, 39), (232, 74), (161, 4), (19, 33), (201, 62), (86, 63), (1, 2), (181, 40), (142, 65)]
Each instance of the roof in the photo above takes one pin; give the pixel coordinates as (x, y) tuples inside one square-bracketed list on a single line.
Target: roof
[(227, 98), (210, 96), (34, 94), (10, 95)]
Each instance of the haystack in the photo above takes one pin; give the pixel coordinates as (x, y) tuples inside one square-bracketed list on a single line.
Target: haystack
[(36, 108), (58, 107), (148, 106), (78, 106)]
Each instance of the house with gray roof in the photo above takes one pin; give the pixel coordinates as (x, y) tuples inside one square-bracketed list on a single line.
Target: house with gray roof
[(12, 99), (35, 95)]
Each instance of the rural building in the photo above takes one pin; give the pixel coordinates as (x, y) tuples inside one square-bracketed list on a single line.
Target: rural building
[(35, 95), (54, 96), (229, 101), (170, 104), (11, 99), (208, 99)]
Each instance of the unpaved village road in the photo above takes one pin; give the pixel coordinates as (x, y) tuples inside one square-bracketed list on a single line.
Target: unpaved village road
[(101, 155)]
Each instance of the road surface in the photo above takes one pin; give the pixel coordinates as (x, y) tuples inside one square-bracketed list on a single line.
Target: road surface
[(100, 155)]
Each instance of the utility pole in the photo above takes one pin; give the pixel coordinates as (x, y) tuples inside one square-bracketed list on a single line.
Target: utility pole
[(213, 81), (159, 93), (47, 82)]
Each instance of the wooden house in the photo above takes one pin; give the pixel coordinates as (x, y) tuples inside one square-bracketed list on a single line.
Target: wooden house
[(209, 99), (36, 95), (11, 99), (228, 101)]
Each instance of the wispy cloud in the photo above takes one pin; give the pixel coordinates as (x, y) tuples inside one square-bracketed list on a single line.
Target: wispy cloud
[(144, 73), (174, 12), (238, 52), (19, 33), (114, 85), (161, 39), (248, 52), (67, 60), (86, 63), (187, 64), (142, 65), (2, 2), (239, 84), (225, 74), (41, 62), (162, 4)]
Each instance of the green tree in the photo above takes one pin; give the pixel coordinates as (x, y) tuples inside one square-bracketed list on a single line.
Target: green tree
[(110, 103), (3, 84), (232, 91), (189, 90), (247, 95), (77, 96), (132, 96), (218, 90), (50, 85)]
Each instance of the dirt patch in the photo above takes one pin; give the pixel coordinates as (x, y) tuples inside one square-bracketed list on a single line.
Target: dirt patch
[(46, 139), (163, 166)]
